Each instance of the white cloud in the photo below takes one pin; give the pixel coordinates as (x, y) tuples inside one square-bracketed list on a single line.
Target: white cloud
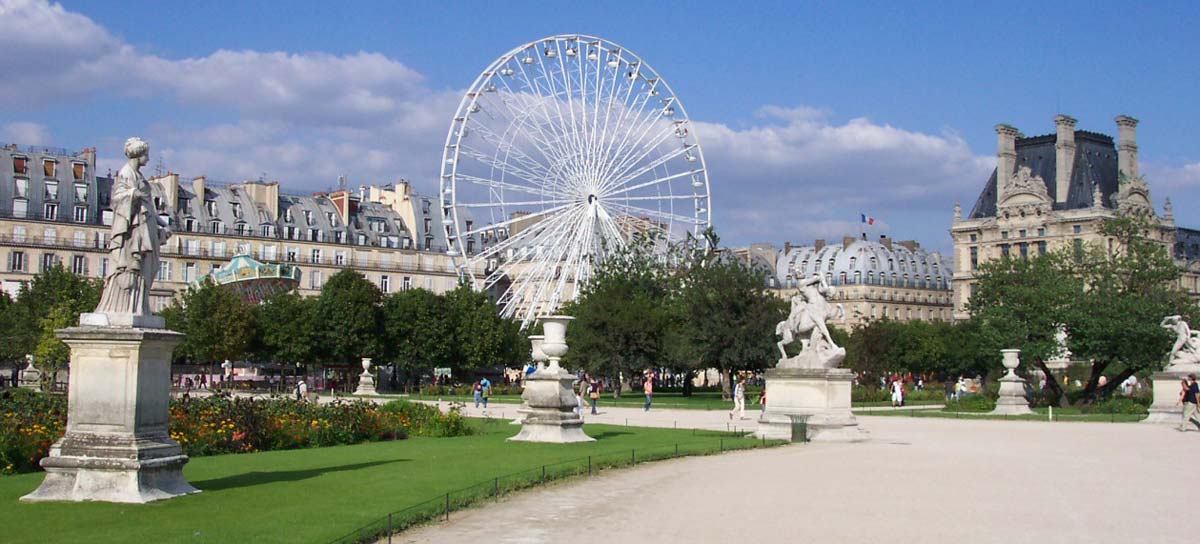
[(25, 133)]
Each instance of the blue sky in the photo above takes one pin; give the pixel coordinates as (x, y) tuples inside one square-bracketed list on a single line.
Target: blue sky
[(808, 112)]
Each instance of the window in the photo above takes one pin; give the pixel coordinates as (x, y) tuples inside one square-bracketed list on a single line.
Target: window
[(1041, 231), (104, 267), (316, 256), (1004, 250), (406, 283), (164, 271), (79, 265), (428, 224), (81, 214), (290, 233), (48, 260), (22, 187), (1078, 247), (50, 212), (470, 247), (469, 224), (189, 225), (385, 284), (375, 224), (80, 238), (314, 279), (339, 258), (362, 239), (16, 261), (1077, 229), (81, 192), (308, 217), (20, 207), (18, 234), (1041, 248), (974, 258), (268, 231), (50, 236), (973, 237), (1004, 235), (78, 169), (269, 252), (211, 207), (291, 254), (214, 227), (48, 167), (236, 208), (106, 217), (189, 272), (217, 248), (191, 247), (1024, 250), (331, 218), (21, 166), (213, 268), (1021, 233), (339, 237), (242, 229), (429, 243), (287, 215), (243, 248)]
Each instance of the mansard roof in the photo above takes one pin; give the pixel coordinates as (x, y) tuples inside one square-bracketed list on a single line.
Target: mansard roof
[(1095, 163)]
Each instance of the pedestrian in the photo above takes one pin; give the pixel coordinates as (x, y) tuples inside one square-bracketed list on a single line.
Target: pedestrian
[(739, 399), (648, 387), (485, 389), (301, 390), (897, 393), (477, 389), (762, 401), (593, 394), (1187, 396), (580, 392)]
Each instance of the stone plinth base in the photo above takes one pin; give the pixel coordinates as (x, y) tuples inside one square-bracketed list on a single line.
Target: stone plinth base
[(1012, 401), (550, 416), (116, 448), (819, 396), (1166, 408), (366, 384)]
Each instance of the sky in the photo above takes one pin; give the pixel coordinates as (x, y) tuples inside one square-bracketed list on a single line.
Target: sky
[(809, 113)]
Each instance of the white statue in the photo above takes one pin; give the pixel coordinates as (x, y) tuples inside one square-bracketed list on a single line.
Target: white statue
[(137, 232), (810, 310), (1186, 350)]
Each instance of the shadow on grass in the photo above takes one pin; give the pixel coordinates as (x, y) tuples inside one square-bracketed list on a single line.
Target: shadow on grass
[(249, 479), (607, 434)]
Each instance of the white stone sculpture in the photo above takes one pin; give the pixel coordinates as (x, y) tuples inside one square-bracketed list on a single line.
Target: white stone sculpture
[(810, 310), (539, 359), (137, 233), (30, 377), (1186, 350), (117, 447), (366, 380), (1012, 401), (550, 416)]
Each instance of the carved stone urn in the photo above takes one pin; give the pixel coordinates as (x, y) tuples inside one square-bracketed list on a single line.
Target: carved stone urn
[(366, 380), (1012, 401), (550, 414)]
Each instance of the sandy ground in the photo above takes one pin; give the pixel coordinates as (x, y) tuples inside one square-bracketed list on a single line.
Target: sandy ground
[(927, 480)]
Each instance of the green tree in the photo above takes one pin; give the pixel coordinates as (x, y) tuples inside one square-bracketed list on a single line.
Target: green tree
[(57, 292), (11, 326), (623, 315), (347, 314), (727, 317), (287, 331), (481, 337), (1131, 283), (418, 332), (218, 323), (1022, 304)]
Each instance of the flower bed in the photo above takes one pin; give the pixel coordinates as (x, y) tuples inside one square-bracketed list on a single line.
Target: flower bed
[(31, 422)]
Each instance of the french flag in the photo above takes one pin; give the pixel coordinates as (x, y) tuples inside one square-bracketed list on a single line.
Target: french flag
[(867, 220)]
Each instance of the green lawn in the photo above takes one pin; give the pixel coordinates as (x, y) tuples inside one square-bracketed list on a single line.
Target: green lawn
[(318, 495), (1040, 414)]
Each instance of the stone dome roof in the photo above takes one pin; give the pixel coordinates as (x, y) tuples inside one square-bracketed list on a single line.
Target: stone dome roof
[(866, 262)]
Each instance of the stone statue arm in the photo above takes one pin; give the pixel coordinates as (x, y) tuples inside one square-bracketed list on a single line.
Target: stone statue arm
[(124, 202)]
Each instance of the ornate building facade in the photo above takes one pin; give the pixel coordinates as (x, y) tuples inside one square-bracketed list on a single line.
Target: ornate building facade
[(1053, 191), (54, 210), (874, 280)]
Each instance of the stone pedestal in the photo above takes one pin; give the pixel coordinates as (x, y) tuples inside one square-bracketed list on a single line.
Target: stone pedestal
[(820, 396), (1012, 401), (117, 447), (30, 378), (366, 380), (1165, 385), (550, 416)]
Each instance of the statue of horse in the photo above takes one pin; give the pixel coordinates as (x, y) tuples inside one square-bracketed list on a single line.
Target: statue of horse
[(801, 323)]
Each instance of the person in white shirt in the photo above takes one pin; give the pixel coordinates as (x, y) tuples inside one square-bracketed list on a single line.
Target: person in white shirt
[(897, 393), (739, 399)]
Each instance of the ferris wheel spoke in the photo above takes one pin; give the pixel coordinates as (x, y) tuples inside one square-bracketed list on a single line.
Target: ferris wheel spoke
[(656, 181), (621, 178), (533, 276), (503, 143), (497, 184), (618, 155), (516, 219), (655, 213), (514, 170), (526, 117), (540, 234)]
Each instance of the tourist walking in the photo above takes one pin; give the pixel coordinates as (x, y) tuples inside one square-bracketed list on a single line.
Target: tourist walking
[(648, 388), (477, 389), (593, 394), (301, 390), (485, 389), (897, 392), (739, 399), (1187, 396)]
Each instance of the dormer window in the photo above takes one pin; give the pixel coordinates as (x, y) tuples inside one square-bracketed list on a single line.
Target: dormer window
[(211, 206), (49, 167), (287, 215), (22, 188), (268, 231), (51, 190), (189, 225), (81, 192), (308, 217), (78, 170), (329, 216), (237, 209), (20, 166), (214, 227)]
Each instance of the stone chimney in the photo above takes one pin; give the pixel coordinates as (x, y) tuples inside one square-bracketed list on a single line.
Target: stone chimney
[(887, 242), (1064, 157), (1127, 162), (787, 247), (198, 189), (819, 244), (847, 240), (1006, 157), (911, 245)]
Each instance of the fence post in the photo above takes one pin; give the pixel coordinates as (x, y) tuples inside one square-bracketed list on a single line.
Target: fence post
[(589, 465), (543, 474), (497, 489), (632, 457), (389, 528), (722, 444), (677, 449), (447, 507)]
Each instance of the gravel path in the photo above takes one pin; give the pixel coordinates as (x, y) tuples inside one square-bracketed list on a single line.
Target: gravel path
[(928, 480)]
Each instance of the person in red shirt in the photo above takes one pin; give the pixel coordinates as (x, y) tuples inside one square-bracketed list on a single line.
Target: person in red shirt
[(648, 387)]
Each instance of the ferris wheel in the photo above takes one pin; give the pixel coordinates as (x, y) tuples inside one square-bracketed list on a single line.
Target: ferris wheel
[(563, 150)]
